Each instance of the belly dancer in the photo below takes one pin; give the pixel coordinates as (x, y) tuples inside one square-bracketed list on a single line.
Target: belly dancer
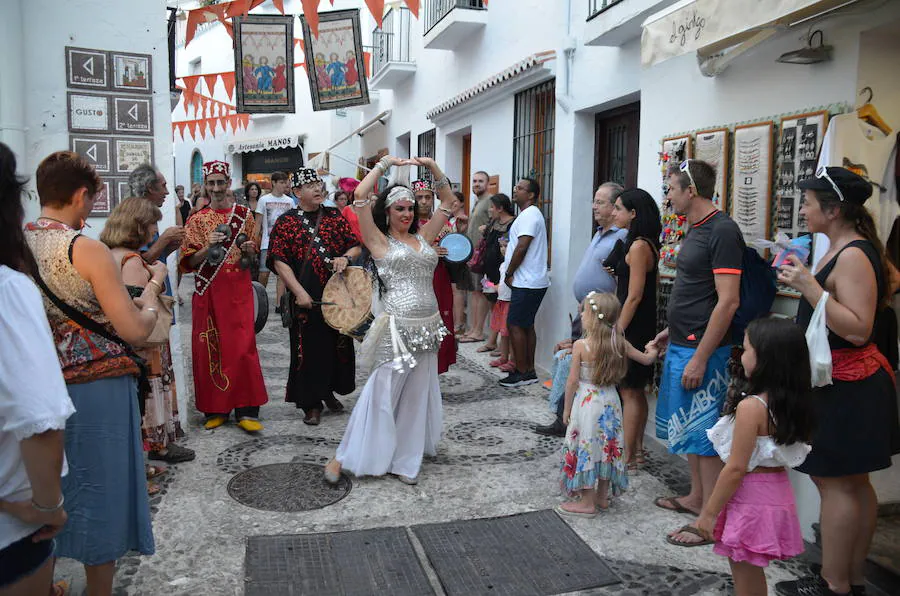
[(398, 416)]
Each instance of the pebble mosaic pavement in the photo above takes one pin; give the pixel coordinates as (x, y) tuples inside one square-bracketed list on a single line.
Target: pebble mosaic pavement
[(489, 464)]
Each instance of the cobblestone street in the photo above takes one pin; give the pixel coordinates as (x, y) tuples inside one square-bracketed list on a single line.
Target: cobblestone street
[(489, 464)]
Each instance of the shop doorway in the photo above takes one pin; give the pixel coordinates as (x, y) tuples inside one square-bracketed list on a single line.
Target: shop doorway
[(616, 137), (258, 166)]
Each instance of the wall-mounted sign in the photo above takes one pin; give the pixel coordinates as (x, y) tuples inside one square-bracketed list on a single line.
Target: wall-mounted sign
[(104, 201), (131, 72), (86, 69), (88, 112), (130, 153), (121, 186), (94, 149), (132, 115)]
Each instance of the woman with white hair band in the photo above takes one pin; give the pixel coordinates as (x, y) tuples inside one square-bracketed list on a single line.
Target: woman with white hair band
[(398, 416)]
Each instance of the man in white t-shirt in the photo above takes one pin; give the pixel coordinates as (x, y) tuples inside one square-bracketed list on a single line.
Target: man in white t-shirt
[(268, 210), (527, 275)]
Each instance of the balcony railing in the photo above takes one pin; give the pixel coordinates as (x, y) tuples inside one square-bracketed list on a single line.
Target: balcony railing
[(391, 41), (595, 7), (436, 10)]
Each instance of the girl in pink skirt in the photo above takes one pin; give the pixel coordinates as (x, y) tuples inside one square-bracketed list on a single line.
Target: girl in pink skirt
[(751, 514)]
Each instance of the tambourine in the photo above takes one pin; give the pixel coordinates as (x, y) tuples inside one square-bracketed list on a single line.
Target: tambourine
[(458, 247)]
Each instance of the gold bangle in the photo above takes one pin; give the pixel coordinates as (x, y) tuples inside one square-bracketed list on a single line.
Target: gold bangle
[(157, 284)]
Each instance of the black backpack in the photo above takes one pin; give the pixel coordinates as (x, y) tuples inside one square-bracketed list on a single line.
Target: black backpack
[(757, 292)]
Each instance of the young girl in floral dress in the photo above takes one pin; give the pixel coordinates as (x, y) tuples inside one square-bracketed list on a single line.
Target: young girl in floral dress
[(593, 465)]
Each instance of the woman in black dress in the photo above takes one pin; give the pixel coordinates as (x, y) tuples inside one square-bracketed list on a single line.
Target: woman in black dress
[(856, 417), (636, 272)]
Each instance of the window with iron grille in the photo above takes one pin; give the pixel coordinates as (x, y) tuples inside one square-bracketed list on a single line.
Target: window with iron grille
[(427, 141), (391, 41), (595, 7), (533, 143)]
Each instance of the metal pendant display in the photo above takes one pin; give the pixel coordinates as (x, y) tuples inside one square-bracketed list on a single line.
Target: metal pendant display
[(217, 252)]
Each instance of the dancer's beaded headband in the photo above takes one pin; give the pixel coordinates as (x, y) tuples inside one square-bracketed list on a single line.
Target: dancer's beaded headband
[(216, 167), (399, 193), (304, 176)]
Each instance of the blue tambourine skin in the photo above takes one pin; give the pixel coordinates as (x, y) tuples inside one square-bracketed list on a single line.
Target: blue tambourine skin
[(459, 247)]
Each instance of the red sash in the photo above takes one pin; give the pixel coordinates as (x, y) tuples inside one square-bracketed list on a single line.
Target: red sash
[(856, 364), (207, 272)]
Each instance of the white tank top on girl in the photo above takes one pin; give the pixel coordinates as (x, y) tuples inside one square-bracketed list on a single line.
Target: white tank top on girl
[(767, 452)]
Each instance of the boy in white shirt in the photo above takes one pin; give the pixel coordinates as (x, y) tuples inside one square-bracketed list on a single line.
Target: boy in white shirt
[(269, 208)]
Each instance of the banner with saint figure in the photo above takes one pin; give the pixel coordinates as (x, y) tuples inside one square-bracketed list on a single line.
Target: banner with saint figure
[(264, 64), (335, 63)]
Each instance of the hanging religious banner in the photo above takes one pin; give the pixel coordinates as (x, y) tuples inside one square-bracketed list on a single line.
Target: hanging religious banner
[(335, 63), (263, 64)]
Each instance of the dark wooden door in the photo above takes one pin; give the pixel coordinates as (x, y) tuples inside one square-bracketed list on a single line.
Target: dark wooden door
[(617, 133)]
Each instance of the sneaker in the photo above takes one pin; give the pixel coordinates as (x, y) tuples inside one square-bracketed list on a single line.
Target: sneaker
[(513, 380), (556, 429), (813, 585), (856, 590), (529, 378)]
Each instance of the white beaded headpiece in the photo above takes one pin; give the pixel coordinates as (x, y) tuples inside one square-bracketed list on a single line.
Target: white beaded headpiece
[(399, 193)]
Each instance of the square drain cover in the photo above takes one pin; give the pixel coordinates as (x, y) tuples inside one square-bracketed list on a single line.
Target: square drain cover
[(527, 554), (363, 562)]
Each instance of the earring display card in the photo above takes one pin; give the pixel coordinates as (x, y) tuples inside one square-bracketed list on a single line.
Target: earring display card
[(796, 157), (752, 176), (711, 146)]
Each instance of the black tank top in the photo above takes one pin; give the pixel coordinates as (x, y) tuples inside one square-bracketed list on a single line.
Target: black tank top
[(643, 324)]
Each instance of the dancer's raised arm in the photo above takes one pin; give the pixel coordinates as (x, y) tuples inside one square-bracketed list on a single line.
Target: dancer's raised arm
[(442, 189), (373, 238)]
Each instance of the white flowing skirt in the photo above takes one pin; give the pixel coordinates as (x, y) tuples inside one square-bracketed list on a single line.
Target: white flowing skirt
[(398, 418)]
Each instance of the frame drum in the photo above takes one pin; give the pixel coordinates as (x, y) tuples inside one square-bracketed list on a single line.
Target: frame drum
[(260, 306), (459, 247)]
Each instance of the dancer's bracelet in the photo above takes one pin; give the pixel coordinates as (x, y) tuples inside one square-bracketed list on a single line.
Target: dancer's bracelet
[(360, 203), (444, 182)]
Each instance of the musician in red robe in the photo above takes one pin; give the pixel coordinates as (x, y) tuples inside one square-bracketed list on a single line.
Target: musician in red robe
[(227, 375)]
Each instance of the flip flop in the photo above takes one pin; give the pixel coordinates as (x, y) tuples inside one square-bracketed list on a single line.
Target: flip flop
[(689, 530), (561, 511), (155, 472), (674, 505), (486, 348), (465, 339)]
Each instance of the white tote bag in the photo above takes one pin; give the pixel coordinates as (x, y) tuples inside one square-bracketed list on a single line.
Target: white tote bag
[(819, 350)]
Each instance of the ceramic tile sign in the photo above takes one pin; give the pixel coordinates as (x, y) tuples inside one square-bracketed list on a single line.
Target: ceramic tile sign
[(88, 112), (86, 69), (131, 72), (95, 149), (132, 115), (105, 201), (130, 153), (121, 186)]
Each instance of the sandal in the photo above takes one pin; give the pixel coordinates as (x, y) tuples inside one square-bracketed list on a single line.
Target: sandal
[(465, 339), (59, 588), (688, 529), (486, 348), (673, 505), (175, 454), (497, 362), (152, 489), (496, 353), (155, 472)]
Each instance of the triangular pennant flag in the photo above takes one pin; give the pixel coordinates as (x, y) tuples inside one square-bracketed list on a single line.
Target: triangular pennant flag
[(228, 81), (211, 82), (299, 42), (181, 126), (376, 7), (255, 3), (201, 128), (192, 126), (299, 64), (237, 8), (229, 28), (310, 8), (245, 120), (413, 6), (367, 60), (279, 5), (211, 126), (190, 82)]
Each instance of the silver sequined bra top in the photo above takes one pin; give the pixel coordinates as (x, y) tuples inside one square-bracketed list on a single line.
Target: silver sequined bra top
[(410, 322)]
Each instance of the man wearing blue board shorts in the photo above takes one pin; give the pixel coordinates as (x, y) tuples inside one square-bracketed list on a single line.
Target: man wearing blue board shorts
[(704, 298)]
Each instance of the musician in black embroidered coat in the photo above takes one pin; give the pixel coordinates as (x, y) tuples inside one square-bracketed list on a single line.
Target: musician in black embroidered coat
[(322, 360)]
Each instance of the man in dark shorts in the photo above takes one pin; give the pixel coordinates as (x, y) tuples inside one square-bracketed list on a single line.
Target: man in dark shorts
[(704, 298), (527, 276)]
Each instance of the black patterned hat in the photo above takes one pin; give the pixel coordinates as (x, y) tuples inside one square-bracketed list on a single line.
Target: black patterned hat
[(304, 176)]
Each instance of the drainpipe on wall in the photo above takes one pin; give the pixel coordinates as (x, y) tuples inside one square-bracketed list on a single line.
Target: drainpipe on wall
[(568, 52)]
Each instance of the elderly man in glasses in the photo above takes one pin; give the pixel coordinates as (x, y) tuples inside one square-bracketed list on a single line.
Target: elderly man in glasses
[(704, 298)]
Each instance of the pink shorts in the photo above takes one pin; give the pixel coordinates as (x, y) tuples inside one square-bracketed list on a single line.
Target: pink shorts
[(760, 522), (498, 317)]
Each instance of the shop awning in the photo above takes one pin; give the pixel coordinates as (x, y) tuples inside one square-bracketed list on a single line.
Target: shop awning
[(282, 142), (712, 26)]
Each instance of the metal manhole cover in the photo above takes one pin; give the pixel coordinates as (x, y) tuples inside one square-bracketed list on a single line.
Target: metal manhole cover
[(286, 487)]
